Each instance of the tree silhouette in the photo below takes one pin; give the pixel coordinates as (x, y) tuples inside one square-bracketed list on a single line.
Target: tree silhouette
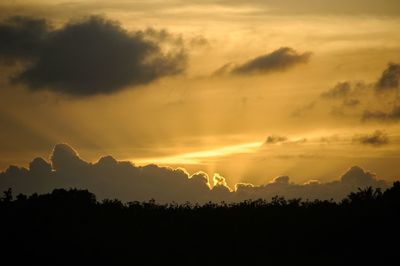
[(70, 227), (7, 195)]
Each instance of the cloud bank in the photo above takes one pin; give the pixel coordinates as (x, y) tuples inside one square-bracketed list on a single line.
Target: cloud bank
[(109, 178), (87, 57)]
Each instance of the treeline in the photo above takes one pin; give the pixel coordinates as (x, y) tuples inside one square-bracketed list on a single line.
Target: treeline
[(70, 227)]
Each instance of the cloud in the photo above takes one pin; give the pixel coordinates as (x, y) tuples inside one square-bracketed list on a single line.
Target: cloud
[(378, 138), (278, 60), (280, 180), (312, 182), (381, 95), (301, 110), (22, 37), (314, 7), (385, 116), (66, 158), (109, 178), (357, 177), (351, 102), (340, 90), (88, 57), (199, 41), (275, 139), (343, 90), (219, 8), (390, 78), (39, 166)]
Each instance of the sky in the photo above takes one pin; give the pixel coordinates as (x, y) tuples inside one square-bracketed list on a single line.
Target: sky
[(245, 90)]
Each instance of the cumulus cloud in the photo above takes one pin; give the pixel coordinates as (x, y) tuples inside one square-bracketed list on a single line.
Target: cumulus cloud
[(110, 178), (378, 138), (352, 179), (390, 78), (280, 180), (65, 158), (380, 98), (356, 176), (278, 60), (386, 96), (89, 56)]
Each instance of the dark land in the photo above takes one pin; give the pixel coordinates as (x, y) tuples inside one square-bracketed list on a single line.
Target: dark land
[(70, 227)]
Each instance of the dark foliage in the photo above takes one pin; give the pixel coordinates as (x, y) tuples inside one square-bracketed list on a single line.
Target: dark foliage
[(70, 227)]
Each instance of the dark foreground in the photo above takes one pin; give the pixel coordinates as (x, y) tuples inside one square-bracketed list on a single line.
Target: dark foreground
[(72, 228)]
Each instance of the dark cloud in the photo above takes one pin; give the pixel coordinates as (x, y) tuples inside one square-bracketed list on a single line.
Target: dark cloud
[(378, 138), (345, 89), (352, 179), (390, 78), (40, 167), (357, 177), (279, 60), (384, 116), (66, 158), (88, 57), (109, 178), (275, 139), (383, 92), (340, 90), (22, 37)]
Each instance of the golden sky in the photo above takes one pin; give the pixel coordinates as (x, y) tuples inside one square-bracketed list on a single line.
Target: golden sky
[(247, 89)]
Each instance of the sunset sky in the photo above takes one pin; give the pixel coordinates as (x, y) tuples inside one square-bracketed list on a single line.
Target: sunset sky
[(249, 89)]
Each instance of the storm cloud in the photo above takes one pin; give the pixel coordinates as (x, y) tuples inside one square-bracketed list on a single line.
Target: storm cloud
[(87, 57), (22, 38), (109, 178)]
